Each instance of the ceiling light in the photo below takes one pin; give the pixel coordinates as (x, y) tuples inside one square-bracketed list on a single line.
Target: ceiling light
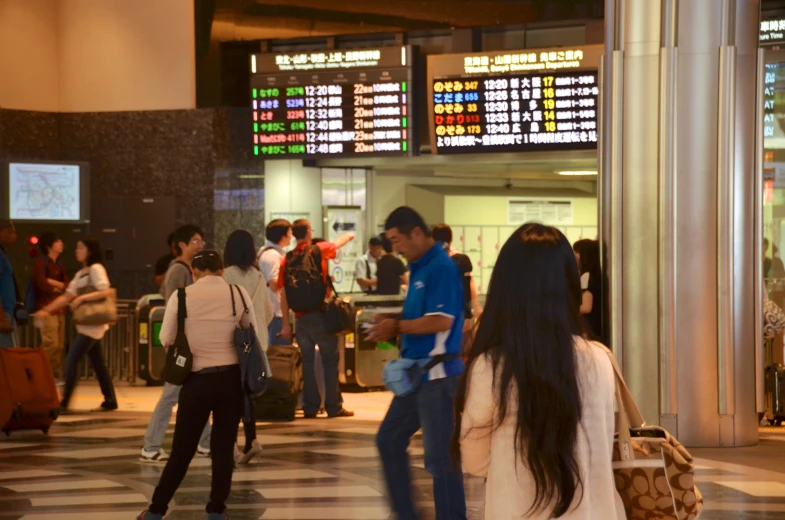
[(577, 173)]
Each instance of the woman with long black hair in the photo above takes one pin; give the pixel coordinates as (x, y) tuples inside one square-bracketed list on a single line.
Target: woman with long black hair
[(241, 270), (90, 283), (587, 253), (534, 410)]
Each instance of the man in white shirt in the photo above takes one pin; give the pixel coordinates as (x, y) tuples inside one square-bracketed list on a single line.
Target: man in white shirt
[(279, 235), (365, 266)]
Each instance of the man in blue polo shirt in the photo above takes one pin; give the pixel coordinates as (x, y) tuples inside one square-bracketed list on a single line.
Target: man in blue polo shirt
[(429, 326)]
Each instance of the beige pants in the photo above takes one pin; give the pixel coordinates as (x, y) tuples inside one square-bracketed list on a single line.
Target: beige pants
[(53, 342)]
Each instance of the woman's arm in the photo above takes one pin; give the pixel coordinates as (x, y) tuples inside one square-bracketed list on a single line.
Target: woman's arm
[(61, 301), (92, 296), (477, 419), (587, 302), (476, 307)]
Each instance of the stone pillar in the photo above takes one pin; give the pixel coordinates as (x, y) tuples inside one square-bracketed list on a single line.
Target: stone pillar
[(678, 206)]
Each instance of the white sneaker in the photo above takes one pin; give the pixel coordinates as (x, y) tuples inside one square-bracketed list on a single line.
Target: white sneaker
[(154, 456), (202, 452)]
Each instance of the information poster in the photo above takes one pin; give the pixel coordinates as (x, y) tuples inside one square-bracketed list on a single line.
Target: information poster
[(340, 220), (533, 100), (551, 211), (337, 103)]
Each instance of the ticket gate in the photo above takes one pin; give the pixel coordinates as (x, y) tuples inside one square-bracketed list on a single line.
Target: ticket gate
[(152, 355), (361, 361)]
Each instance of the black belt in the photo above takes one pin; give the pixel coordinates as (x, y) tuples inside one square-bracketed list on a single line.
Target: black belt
[(214, 370)]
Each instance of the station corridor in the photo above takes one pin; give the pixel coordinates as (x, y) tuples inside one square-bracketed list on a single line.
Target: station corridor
[(88, 468)]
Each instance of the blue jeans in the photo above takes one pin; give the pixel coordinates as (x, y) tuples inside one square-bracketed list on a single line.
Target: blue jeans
[(311, 332), (87, 346), (7, 340), (430, 407), (274, 332)]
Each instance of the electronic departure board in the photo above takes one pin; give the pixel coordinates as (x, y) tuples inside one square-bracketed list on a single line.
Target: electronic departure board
[(332, 103), (532, 100)]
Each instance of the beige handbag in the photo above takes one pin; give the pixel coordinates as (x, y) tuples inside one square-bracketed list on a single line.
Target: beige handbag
[(654, 473), (96, 312)]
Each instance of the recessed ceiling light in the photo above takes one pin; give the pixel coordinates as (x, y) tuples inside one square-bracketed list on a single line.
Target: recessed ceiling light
[(578, 173)]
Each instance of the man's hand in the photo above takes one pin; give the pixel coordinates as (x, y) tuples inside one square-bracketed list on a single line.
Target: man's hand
[(286, 331), (384, 330)]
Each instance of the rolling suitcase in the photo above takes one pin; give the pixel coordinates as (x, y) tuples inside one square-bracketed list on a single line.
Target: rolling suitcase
[(279, 401), (28, 393)]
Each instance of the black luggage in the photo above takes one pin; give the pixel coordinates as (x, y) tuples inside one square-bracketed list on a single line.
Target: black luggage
[(279, 401), (775, 394)]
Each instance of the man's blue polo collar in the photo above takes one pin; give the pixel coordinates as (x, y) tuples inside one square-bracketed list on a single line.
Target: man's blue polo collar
[(424, 259)]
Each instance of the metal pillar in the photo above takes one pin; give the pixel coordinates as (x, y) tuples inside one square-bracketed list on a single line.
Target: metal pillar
[(678, 206)]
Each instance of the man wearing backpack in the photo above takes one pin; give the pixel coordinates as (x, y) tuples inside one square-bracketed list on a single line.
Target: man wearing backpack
[(303, 276), (188, 241)]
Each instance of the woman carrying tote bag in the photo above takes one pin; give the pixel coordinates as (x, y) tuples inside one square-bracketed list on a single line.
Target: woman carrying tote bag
[(240, 258), (93, 303)]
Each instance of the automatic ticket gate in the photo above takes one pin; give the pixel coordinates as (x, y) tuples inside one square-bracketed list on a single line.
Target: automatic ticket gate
[(152, 355), (361, 362)]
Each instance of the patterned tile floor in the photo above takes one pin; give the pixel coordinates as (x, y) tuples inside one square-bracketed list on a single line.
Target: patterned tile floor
[(88, 469)]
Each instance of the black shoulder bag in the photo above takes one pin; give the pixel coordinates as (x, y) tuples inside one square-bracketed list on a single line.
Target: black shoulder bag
[(250, 355), (339, 315), (179, 359)]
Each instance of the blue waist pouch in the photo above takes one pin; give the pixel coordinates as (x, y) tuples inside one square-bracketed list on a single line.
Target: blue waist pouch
[(403, 376)]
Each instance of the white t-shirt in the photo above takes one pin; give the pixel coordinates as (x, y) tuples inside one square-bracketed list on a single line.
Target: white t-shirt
[(585, 281), (94, 276), (270, 257), (361, 268)]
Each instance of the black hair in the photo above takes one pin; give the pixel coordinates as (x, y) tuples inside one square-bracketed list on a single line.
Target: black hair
[(374, 242), (405, 219), (315, 241), (46, 241), (386, 244), (240, 250), (185, 234), (589, 251), (170, 239), (207, 260), (95, 254), (442, 233), (527, 331), (300, 228), (277, 229), (6, 223)]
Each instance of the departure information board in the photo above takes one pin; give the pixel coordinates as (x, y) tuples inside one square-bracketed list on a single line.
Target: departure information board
[(542, 100), (333, 103)]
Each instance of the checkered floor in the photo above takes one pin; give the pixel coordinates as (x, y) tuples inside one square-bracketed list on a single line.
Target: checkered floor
[(88, 468)]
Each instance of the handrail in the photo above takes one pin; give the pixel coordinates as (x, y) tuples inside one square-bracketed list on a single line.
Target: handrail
[(725, 230), (667, 230), (757, 234)]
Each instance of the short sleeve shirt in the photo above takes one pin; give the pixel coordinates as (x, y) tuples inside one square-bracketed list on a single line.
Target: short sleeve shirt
[(388, 272), (93, 276), (434, 289), (270, 258)]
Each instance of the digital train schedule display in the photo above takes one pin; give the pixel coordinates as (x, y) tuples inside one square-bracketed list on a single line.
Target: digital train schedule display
[(336, 103), (513, 103)]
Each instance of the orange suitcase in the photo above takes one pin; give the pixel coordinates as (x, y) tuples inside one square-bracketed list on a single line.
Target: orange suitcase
[(28, 393)]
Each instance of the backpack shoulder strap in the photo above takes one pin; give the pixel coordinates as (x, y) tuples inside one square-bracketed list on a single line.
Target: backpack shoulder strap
[(182, 310)]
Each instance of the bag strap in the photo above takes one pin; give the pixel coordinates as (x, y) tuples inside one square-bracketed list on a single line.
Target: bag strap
[(440, 358), (234, 308), (629, 413), (258, 284), (182, 314)]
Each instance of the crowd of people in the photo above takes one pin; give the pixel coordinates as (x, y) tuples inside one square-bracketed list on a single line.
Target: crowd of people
[(517, 391)]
